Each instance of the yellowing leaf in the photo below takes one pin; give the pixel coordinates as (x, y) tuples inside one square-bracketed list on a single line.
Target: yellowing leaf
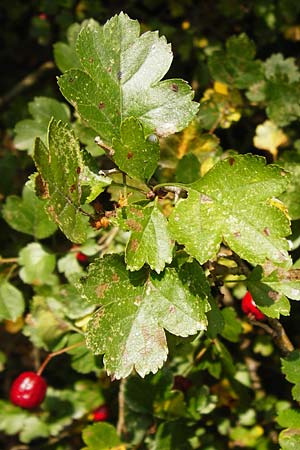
[(269, 137), (221, 88)]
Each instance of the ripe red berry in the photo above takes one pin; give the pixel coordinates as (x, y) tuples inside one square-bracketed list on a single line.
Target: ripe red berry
[(249, 307), (28, 390), (81, 257), (100, 414)]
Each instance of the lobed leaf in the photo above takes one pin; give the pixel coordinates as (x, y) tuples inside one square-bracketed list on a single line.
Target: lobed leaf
[(27, 214), (231, 203), (128, 327), (120, 79)]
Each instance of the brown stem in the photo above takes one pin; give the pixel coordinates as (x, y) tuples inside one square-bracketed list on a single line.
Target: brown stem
[(280, 337), (121, 420), (28, 81), (8, 260), (58, 352), (278, 334)]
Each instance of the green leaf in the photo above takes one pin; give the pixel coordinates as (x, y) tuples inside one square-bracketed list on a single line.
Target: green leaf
[(33, 428), (149, 241), (101, 436), (62, 174), (83, 360), (44, 326), (11, 418), (271, 302), (278, 68), (120, 78), (232, 203), (42, 109), (291, 197), (128, 328), (133, 154), (188, 169), (289, 439), (232, 326), (28, 214), (291, 369), (237, 66), (173, 436), (281, 83), (289, 418), (286, 282), (37, 264), (12, 302), (65, 56)]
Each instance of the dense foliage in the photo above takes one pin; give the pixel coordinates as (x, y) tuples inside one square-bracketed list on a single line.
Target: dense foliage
[(150, 237)]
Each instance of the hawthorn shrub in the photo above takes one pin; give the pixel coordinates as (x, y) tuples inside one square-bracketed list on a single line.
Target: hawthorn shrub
[(137, 234)]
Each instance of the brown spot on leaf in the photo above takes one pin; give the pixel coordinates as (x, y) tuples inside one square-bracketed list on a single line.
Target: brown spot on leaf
[(129, 155), (100, 290), (231, 161), (71, 80), (134, 245), (115, 278), (101, 105), (137, 212), (78, 170), (42, 187), (134, 225), (267, 231), (174, 87), (274, 295), (91, 60), (237, 234)]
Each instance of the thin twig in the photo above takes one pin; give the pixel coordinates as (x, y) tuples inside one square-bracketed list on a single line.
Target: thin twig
[(121, 419), (58, 352), (28, 81), (8, 260)]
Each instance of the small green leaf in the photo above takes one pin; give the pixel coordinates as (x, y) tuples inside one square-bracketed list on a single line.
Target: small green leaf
[(149, 242), (291, 369), (11, 418), (101, 436), (128, 328), (12, 302), (232, 326), (42, 110), (231, 203), (134, 154), (28, 214), (45, 327), (120, 78), (65, 55), (37, 264), (237, 66), (289, 418)]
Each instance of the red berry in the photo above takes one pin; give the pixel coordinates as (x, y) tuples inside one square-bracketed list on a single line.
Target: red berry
[(249, 307), (81, 257), (100, 414), (28, 390), (43, 16), (181, 383)]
